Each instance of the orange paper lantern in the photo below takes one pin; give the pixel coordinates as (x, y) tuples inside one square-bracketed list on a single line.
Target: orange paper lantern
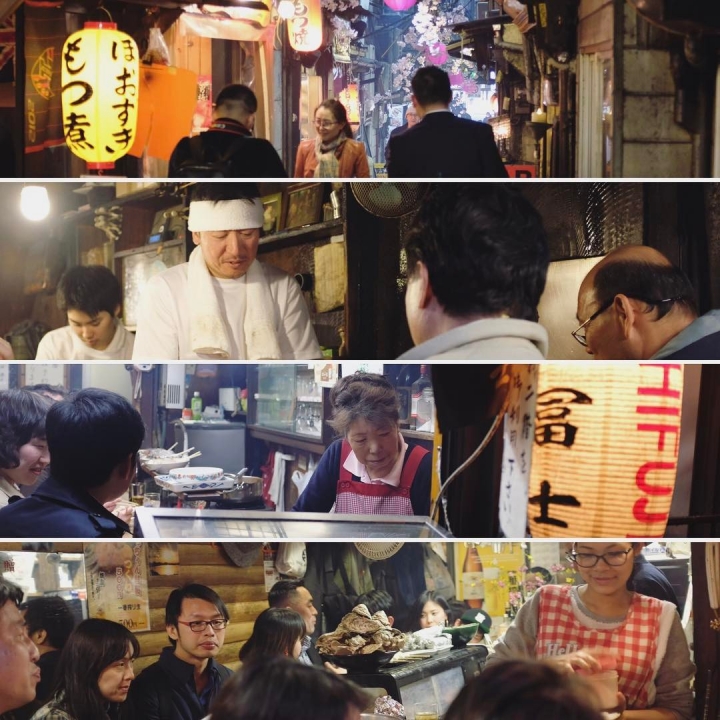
[(605, 450), (350, 98), (99, 78), (305, 28)]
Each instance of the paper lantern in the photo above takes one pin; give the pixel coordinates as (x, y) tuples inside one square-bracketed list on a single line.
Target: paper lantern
[(400, 5), (605, 448), (100, 68), (305, 28), (350, 98)]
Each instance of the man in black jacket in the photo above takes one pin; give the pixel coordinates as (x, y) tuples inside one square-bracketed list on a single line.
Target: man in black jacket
[(182, 684), (442, 145), (228, 142)]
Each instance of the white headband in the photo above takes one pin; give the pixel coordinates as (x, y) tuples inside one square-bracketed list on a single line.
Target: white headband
[(225, 215)]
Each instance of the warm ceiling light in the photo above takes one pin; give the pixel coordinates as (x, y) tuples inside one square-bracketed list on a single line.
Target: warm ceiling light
[(286, 9), (34, 202)]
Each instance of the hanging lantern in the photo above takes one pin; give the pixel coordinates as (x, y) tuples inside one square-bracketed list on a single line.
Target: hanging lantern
[(400, 5), (605, 450), (350, 98), (305, 27), (100, 71)]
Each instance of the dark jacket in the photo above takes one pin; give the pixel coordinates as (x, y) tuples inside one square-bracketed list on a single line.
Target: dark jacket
[(55, 511), (165, 690), (444, 146), (651, 581), (254, 158), (320, 494)]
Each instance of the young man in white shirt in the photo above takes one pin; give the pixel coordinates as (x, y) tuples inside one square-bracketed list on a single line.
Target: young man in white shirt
[(91, 297)]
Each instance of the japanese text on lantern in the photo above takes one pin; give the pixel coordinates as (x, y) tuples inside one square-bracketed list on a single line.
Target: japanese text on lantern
[(305, 26), (100, 69), (606, 449)]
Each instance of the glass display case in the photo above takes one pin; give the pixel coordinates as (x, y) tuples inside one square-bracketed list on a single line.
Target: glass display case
[(291, 400)]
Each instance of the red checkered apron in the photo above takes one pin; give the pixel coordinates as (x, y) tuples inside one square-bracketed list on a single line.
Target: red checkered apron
[(634, 643), (359, 498)]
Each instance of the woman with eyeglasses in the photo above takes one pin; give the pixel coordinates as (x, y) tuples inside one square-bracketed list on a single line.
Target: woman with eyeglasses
[(601, 626), (333, 153), (94, 673)]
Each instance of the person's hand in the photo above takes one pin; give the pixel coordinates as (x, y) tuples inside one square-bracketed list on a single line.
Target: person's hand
[(334, 668), (120, 508), (572, 662), (6, 351)]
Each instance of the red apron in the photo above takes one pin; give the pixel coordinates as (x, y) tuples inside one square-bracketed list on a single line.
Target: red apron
[(634, 643), (359, 498)]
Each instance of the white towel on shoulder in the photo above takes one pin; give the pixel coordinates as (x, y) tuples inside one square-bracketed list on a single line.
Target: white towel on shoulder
[(208, 328)]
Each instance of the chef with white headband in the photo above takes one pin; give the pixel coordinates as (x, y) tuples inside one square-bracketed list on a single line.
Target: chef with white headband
[(224, 304)]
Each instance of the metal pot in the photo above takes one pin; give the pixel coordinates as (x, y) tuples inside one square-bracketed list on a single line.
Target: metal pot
[(246, 487)]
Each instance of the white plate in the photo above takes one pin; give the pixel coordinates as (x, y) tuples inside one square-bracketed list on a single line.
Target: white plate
[(176, 485), (406, 656), (197, 474)]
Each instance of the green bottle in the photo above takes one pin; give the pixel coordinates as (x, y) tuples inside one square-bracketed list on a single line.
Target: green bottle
[(196, 406)]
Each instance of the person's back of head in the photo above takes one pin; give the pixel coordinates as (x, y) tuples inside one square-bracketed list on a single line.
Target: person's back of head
[(523, 690), (376, 601), (237, 102), (282, 689), (275, 633), (49, 621), (283, 592), (90, 434), (485, 249), (91, 289), (54, 392), (431, 86)]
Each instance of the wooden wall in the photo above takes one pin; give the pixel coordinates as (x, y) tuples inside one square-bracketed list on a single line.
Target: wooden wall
[(242, 590)]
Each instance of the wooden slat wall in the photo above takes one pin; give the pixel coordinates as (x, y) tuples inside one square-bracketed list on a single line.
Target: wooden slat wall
[(242, 590)]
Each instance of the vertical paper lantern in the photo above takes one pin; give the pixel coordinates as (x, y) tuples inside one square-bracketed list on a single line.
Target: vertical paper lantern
[(605, 450), (100, 71), (305, 27), (350, 98)]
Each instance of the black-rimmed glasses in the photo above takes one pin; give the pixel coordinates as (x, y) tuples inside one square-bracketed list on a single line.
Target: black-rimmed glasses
[(614, 558), (198, 626), (581, 333)]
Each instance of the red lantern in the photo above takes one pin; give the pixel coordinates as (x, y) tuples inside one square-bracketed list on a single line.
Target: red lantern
[(400, 5)]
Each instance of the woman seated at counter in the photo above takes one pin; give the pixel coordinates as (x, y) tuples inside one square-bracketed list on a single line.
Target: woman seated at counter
[(371, 470), (602, 626)]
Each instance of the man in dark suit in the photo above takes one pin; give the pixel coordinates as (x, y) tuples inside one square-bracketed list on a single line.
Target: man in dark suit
[(442, 145), (228, 141), (411, 120)]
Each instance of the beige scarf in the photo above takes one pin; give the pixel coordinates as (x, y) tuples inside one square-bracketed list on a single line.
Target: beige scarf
[(208, 328)]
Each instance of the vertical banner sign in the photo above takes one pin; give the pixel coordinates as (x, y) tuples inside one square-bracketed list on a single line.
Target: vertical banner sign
[(606, 447), (518, 436), (117, 584), (44, 37), (305, 27), (100, 79)]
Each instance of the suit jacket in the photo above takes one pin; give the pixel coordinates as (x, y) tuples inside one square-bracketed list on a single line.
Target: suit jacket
[(353, 160), (442, 145), (395, 131), (256, 158)]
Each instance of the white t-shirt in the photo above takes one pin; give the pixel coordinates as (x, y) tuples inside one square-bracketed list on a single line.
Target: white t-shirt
[(163, 328), (64, 344)]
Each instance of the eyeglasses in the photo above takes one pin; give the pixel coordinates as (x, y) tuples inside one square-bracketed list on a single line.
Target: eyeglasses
[(581, 333), (614, 558), (198, 626), (324, 124)]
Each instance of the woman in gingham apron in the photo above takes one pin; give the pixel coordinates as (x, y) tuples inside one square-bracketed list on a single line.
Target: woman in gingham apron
[(602, 625), (372, 469)]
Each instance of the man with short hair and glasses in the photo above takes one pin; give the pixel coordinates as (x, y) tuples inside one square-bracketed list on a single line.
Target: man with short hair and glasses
[(636, 305), (182, 684)]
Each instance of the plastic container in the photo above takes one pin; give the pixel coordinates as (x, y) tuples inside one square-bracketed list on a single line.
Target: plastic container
[(605, 689)]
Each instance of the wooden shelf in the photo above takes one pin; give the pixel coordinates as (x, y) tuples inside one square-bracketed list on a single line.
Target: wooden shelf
[(301, 235), (153, 247), (294, 440)]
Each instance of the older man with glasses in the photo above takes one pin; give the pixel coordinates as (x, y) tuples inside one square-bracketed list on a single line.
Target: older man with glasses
[(636, 305), (182, 684)]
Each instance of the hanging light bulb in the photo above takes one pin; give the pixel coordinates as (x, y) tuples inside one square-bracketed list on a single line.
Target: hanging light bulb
[(286, 9), (34, 202)]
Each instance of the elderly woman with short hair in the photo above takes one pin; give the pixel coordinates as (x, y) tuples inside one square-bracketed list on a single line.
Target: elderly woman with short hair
[(372, 469)]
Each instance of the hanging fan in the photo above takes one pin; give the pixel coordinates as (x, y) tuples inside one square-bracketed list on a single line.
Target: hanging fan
[(378, 550), (390, 199)]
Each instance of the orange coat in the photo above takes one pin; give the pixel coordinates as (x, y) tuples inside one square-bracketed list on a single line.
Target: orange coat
[(353, 160)]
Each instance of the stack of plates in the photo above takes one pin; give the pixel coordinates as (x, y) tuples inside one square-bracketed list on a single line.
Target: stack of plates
[(194, 479)]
